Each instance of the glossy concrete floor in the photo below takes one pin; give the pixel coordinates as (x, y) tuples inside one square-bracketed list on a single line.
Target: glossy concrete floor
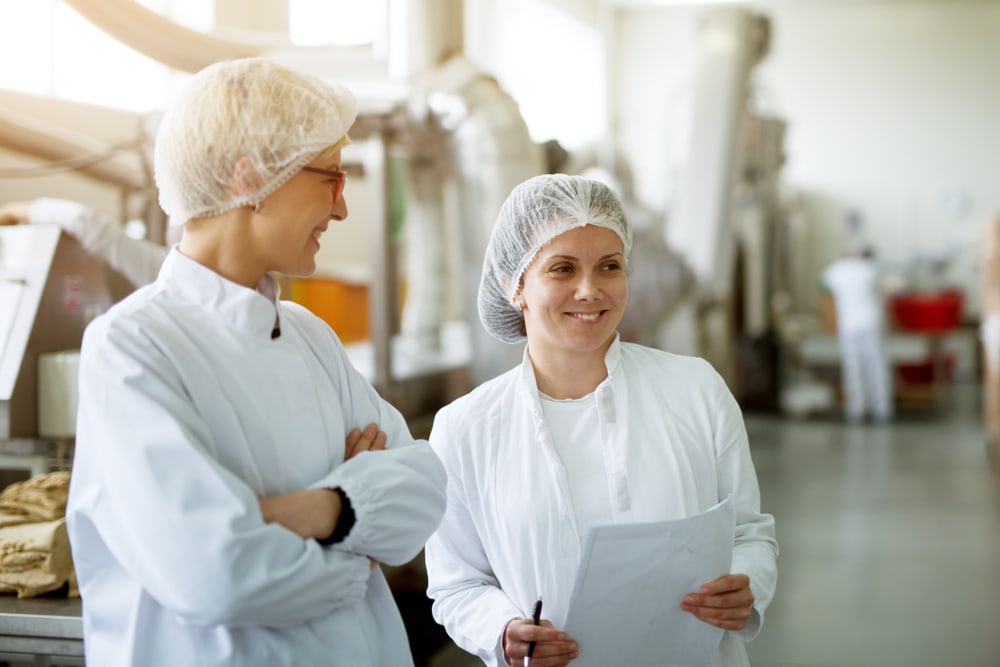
[(889, 537)]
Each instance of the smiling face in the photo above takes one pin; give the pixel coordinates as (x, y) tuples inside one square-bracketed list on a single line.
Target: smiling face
[(573, 294), (292, 219)]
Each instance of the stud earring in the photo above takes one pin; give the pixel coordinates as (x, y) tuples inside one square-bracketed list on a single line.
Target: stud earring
[(256, 207)]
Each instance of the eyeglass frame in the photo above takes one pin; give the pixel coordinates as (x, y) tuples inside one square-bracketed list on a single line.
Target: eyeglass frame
[(338, 176)]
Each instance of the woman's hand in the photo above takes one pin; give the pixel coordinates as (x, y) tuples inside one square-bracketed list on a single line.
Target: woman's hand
[(311, 513), (15, 213), (372, 439), (552, 647), (725, 603)]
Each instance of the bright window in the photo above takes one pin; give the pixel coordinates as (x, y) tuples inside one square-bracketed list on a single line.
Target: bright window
[(24, 30), (341, 22), (57, 52), (556, 74), (61, 54)]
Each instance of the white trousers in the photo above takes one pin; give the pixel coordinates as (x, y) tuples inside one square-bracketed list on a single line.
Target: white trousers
[(865, 377)]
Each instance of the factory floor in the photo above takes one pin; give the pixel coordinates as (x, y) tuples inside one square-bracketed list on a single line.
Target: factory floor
[(889, 537)]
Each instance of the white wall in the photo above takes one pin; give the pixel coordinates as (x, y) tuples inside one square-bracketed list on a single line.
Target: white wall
[(893, 110)]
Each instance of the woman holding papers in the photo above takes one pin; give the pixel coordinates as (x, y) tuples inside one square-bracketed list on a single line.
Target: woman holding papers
[(588, 430)]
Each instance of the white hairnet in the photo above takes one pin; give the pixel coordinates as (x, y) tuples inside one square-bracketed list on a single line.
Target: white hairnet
[(239, 130), (537, 211)]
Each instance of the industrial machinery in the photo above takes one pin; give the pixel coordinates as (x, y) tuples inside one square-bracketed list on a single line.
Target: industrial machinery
[(727, 220), (50, 288)]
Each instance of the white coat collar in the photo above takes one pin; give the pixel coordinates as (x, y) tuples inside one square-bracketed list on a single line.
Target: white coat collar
[(612, 359), (611, 401), (255, 311)]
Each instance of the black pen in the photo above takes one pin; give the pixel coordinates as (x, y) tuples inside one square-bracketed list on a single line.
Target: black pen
[(536, 616)]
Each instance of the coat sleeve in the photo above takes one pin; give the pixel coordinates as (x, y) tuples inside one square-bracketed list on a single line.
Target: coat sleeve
[(398, 500), (468, 600), (136, 259), (147, 491), (398, 495), (755, 552)]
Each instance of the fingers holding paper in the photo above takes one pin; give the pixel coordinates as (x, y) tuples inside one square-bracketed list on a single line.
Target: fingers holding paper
[(725, 603), (552, 647)]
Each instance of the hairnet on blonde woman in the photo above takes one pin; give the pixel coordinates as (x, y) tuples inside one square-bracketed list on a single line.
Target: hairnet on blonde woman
[(239, 130), (537, 211)]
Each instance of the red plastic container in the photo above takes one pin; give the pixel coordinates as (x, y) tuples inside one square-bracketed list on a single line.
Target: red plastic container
[(923, 373), (927, 312)]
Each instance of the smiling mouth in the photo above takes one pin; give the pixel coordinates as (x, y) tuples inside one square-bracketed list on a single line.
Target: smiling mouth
[(587, 317), (318, 233)]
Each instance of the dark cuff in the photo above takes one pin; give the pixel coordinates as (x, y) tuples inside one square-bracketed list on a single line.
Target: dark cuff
[(344, 522)]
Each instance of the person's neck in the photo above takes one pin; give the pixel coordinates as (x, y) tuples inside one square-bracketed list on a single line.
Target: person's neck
[(216, 243), (568, 375)]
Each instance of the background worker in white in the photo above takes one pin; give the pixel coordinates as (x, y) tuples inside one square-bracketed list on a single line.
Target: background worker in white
[(854, 282), (225, 507), (587, 430), (138, 260)]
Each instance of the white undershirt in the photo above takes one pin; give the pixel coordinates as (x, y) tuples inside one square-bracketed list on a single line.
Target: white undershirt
[(576, 434)]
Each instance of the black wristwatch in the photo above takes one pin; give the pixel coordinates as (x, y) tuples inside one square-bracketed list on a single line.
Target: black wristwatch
[(344, 522)]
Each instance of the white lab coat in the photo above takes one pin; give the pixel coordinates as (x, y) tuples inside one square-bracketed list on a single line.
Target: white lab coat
[(865, 377), (189, 412), (675, 445), (854, 283)]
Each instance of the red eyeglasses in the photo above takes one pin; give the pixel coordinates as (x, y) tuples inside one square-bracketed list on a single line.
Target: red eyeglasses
[(337, 178)]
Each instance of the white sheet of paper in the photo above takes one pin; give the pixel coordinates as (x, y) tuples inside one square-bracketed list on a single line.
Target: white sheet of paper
[(625, 607)]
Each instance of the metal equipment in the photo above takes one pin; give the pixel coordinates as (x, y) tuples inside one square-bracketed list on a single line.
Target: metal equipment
[(50, 288)]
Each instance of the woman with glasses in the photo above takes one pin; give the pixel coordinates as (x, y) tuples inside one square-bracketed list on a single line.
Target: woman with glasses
[(138, 260), (235, 480)]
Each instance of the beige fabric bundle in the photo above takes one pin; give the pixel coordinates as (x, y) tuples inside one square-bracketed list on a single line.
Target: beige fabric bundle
[(41, 498), (35, 558), (35, 555)]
